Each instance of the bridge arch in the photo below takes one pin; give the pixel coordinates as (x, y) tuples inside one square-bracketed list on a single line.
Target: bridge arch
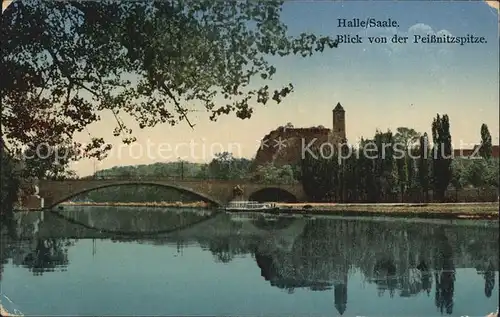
[(203, 197), (273, 194)]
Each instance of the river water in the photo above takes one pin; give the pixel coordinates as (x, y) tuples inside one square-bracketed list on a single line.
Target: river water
[(153, 261)]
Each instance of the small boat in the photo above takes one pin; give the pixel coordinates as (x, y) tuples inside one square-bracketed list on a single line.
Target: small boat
[(251, 206)]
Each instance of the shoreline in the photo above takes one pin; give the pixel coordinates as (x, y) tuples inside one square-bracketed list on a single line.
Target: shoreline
[(482, 211)]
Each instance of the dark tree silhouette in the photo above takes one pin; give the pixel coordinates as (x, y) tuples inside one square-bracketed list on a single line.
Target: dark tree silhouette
[(318, 175), (221, 250), (47, 256), (340, 297), (489, 281), (444, 275), (9, 182), (486, 146), (442, 157), (423, 165), (426, 277), (385, 271)]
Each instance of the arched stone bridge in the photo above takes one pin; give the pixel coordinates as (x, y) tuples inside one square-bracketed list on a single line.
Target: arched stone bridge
[(217, 192)]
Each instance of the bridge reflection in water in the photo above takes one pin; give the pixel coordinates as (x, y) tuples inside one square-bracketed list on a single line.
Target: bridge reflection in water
[(403, 258)]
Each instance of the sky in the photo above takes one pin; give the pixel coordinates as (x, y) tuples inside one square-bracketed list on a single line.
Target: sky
[(380, 86)]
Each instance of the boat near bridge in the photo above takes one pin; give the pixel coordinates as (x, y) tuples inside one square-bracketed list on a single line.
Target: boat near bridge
[(243, 205)]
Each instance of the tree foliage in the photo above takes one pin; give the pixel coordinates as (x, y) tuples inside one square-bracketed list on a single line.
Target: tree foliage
[(385, 181), (401, 167), (457, 177), (270, 174), (486, 146), (318, 175), (406, 137), (65, 63), (42, 161), (225, 166), (377, 172), (478, 173), (442, 155), (9, 181), (424, 164), (47, 255)]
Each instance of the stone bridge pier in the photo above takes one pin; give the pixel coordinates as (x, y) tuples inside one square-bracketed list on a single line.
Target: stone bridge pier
[(217, 192)]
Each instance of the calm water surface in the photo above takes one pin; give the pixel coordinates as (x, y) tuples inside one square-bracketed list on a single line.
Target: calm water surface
[(140, 261)]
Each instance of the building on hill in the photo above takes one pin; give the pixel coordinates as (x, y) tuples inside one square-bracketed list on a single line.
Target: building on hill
[(285, 145)]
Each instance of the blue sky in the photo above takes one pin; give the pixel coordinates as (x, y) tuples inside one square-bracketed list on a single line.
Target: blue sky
[(458, 18), (446, 78), (381, 86)]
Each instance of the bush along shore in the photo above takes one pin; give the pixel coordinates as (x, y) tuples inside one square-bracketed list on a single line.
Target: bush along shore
[(433, 210)]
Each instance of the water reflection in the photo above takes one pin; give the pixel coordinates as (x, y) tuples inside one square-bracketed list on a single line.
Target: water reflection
[(403, 259), (46, 256)]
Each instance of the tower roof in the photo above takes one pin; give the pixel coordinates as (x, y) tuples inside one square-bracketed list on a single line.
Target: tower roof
[(338, 108)]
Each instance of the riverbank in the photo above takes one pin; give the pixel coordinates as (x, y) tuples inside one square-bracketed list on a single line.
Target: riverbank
[(433, 210)]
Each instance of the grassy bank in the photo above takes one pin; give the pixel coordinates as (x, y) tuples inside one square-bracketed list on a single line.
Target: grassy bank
[(434, 210)]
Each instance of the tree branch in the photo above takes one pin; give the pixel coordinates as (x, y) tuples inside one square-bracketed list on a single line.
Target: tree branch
[(120, 125), (177, 105), (73, 81)]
